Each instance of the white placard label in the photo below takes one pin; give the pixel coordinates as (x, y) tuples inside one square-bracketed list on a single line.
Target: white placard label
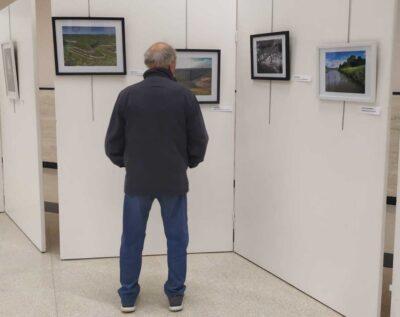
[(222, 109), (136, 72), (302, 78), (375, 111)]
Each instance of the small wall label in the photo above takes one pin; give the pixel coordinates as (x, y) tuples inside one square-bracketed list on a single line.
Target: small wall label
[(302, 78), (375, 111), (136, 72)]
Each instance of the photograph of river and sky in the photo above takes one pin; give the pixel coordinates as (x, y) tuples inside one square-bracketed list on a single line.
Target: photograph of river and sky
[(89, 46), (345, 71), (269, 57), (195, 73)]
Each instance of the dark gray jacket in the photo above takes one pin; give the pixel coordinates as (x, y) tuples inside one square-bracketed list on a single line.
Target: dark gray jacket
[(156, 132)]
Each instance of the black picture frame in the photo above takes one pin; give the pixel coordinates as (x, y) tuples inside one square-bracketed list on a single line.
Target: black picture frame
[(56, 59), (218, 86), (270, 76)]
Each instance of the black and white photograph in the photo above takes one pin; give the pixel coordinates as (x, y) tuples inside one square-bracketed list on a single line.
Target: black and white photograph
[(348, 73), (10, 70), (199, 71), (89, 45), (270, 57)]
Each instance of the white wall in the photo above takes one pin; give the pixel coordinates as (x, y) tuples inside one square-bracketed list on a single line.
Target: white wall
[(310, 197), (90, 188), (3, 26), (20, 128)]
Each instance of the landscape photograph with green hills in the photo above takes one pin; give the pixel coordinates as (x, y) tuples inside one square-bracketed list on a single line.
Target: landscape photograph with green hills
[(345, 71), (89, 46)]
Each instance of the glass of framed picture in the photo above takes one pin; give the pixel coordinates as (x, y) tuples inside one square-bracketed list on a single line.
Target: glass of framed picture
[(89, 46), (270, 56), (199, 71), (10, 70), (347, 72)]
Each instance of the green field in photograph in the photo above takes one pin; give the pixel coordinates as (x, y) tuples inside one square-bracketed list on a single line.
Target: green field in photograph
[(90, 50), (356, 73)]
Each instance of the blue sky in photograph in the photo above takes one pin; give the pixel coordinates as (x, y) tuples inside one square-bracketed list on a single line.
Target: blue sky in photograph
[(194, 62), (88, 30), (334, 59)]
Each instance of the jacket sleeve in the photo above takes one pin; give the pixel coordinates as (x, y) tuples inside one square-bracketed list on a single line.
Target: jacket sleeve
[(197, 137), (115, 138)]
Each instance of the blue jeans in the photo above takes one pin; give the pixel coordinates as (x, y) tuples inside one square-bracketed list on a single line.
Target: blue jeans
[(136, 213)]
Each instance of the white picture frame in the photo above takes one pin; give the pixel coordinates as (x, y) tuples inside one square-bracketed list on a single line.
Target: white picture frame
[(348, 72), (10, 70)]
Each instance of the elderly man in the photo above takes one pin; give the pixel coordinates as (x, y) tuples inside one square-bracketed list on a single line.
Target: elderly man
[(156, 132)]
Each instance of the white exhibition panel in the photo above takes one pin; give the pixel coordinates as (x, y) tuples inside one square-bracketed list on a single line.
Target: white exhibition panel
[(211, 195), (4, 36), (20, 127), (90, 187), (310, 198)]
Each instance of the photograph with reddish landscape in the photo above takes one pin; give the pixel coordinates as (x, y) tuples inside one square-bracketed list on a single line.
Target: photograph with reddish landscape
[(198, 71), (196, 75)]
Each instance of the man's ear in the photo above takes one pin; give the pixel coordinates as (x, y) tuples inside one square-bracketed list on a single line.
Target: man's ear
[(172, 67)]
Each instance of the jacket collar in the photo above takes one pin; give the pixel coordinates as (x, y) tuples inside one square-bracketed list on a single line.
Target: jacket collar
[(159, 72)]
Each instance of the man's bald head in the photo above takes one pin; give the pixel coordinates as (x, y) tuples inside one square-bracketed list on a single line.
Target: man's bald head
[(160, 55)]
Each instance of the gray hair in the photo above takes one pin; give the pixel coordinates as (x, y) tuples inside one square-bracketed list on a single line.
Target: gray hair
[(159, 55)]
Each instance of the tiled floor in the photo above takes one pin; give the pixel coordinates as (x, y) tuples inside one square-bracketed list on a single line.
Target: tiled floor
[(386, 295), (389, 248), (220, 284), (50, 185)]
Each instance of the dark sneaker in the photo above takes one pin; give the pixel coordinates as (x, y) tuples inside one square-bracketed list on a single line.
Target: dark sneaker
[(128, 309), (175, 302)]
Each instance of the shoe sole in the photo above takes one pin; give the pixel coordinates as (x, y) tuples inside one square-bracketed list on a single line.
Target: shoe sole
[(128, 309), (175, 308)]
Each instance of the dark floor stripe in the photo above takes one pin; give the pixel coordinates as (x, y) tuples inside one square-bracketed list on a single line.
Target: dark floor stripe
[(51, 207), (46, 88), (390, 200), (388, 260), (51, 165)]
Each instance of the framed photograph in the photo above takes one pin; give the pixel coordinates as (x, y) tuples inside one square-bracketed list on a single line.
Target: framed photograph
[(89, 46), (347, 72), (199, 71), (10, 70), (270, 56)]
